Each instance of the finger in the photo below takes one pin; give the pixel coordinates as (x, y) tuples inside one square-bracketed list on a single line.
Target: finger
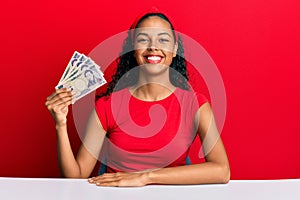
[(108, 184), (117, 174), (107, 180), (59, 101), (63, 98), (60, 97), (104, 176), (91, 180), (59, 104), (62, 105), (62, 94), (110, 177), (58, 91), (110, 174)]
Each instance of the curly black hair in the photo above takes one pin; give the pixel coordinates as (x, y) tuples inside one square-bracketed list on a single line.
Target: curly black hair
[(127, 61)]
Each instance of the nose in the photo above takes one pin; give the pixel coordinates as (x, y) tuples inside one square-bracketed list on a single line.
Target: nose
[(152, 46)]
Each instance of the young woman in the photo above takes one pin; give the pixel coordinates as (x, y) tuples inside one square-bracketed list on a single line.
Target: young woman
[(149, 115)]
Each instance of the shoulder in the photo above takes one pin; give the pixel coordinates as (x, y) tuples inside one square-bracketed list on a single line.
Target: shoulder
[(201, 98), (114, 97), (192, 96), (105, 105)]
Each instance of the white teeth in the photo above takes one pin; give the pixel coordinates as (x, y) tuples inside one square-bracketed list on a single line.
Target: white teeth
[(154, 58)]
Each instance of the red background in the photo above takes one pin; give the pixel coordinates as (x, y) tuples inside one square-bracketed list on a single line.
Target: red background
[(254, 44)]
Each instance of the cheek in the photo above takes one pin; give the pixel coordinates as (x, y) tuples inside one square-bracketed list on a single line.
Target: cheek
[(169, 58), (138, 57), (137, 53)]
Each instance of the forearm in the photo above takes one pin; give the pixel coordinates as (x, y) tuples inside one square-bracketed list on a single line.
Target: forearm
[(67, 163), (204, 173)]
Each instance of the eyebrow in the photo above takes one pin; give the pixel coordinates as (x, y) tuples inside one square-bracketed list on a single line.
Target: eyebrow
[(144, 34), (159, 34), (164, 33)]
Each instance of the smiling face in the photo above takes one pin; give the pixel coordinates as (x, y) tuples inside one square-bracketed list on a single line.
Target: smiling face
[(154, 42)]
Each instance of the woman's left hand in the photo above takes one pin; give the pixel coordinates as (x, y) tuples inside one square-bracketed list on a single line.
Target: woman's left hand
[(121, 179)]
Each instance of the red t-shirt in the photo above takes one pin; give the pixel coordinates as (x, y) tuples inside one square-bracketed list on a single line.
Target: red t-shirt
[(148, 134)]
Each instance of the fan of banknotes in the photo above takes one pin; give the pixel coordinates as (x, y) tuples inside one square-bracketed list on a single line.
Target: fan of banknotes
[(82, 75)]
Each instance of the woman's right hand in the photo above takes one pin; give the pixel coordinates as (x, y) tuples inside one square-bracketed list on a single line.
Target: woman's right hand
[(57, 103)]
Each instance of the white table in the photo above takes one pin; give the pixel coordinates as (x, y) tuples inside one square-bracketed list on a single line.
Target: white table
[(56, 189)]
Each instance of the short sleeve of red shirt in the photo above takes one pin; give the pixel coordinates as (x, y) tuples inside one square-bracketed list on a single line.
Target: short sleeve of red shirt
[(201, 99), (103, 109)]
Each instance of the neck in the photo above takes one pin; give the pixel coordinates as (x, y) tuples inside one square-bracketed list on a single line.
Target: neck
[(153, 84), (152, 91)]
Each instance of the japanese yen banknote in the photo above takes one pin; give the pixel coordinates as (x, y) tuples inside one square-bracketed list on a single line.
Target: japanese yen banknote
[(82, 75)]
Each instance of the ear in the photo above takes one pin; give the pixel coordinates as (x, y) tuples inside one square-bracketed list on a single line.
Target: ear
[(175, 49)]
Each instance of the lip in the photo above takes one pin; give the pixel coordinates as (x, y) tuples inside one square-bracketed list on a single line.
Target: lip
[(153, 59)]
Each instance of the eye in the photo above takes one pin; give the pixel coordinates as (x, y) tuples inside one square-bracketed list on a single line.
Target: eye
[(164, 40), (142, 40)]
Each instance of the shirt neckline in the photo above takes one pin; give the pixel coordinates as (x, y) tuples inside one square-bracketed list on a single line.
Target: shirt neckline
[(154, 101)]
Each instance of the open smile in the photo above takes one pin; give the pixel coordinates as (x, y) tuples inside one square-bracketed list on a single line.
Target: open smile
[(153, 59)]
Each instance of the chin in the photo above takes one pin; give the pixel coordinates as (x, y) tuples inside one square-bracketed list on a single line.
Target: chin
[(154, 69)]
